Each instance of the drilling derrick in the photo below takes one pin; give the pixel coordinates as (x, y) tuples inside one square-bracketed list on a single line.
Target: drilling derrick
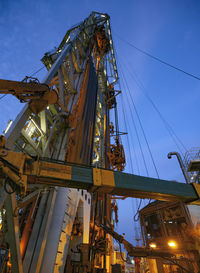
[(61, 162), (67, 119)]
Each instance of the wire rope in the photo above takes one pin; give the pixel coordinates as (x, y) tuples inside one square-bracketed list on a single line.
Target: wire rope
[(33, 74), (116, 121), (138, 205), (170, 130), (137, 135), (136, 131), (3, 96), (120, 249), (125, 124), (136, 215), (158, 59), (133, 146), (141, 126)]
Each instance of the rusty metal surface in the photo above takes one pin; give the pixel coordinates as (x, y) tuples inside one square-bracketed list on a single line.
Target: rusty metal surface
[(81, 136)]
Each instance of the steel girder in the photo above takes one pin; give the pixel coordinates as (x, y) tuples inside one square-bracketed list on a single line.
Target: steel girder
[(37, 135)]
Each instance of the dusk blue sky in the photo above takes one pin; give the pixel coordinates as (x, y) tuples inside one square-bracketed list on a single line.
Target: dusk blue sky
[(166, 29)]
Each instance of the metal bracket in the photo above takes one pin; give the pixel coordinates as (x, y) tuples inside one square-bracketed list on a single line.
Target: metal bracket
[(197, 190), (103, 178)]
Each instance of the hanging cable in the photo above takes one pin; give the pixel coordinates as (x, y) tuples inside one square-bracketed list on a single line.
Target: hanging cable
[(37, 71), (158, 59), (168, 127), (116, 122), (136, 215), (120, 249), (140, 146), (136, 131), (138, 205), (151, 155), (133, 146), (134, 151), (3, 96), (171, 132), (127, 135)]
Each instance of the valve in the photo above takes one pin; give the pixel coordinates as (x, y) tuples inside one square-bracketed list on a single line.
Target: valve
[(116, 155)]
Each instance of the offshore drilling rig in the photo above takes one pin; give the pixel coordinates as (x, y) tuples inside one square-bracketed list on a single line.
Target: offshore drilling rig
[(61, 162)]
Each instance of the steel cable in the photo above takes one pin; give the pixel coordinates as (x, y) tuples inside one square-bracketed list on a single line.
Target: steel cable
[(136, 131), (171, 132), (158, 59), (141, 126), (136, 215)]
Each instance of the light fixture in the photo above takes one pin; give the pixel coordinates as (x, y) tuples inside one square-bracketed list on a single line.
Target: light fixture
[(172, 244), (153, 245), (8, 126)]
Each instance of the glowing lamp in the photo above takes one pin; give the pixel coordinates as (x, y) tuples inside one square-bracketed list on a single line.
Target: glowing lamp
[(152, 245), (172, 244)]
